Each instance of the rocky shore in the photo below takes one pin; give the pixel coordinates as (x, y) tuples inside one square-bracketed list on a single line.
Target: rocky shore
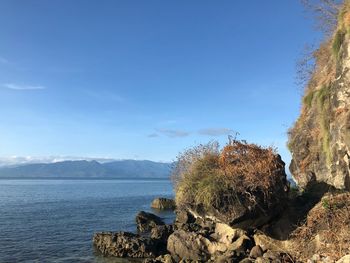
[(196, 238), (191, 238)]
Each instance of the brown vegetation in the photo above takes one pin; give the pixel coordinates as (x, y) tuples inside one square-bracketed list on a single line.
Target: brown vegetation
[(326, 229), (214, 178)]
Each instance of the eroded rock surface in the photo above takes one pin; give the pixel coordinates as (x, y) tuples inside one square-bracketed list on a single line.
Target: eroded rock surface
[(146, 221), (124, 244), (320, 139), (163, 204)]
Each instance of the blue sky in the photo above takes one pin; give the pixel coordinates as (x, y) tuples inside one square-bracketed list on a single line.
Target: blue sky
[(147, 79)]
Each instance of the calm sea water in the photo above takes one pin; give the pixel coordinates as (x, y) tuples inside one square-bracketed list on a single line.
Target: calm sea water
[(54, 220)]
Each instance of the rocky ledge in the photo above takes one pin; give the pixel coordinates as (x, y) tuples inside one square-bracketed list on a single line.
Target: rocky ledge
[(189, 239)]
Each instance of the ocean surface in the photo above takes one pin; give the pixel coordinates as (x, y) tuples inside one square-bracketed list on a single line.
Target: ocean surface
[(54, 220)]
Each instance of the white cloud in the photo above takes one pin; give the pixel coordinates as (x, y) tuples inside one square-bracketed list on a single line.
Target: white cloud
[(13, 86), (153, 135), (21, 160), (173, 133), (216, 131)]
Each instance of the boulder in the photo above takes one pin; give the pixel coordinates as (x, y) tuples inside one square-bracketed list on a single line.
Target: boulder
[(256, 252), (124, 244), (226, 234), (162, 232), (241, 245), (188, 246), (163, 204), (161, 259), (185, 220), (271, 255), (184, 217), (146, 221), (268, 243)]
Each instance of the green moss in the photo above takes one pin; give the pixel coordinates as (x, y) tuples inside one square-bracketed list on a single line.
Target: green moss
[(325, 203), (323, 102), (323, 94), (308, 99), (337, 42), (341, 15)]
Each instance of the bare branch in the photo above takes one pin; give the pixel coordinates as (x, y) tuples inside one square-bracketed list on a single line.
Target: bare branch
[(325, 13)]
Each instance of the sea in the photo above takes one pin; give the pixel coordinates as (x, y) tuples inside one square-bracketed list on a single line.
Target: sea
[(53, 220)]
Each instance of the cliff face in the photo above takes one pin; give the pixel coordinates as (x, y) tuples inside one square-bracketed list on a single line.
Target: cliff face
[(320, 138)]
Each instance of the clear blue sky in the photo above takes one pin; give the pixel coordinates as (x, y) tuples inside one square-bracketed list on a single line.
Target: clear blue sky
[(147, 79)]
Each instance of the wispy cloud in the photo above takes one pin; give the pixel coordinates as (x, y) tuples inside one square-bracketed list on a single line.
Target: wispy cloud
[(153, 135), (216, 131), (173, 133), (13, 86)]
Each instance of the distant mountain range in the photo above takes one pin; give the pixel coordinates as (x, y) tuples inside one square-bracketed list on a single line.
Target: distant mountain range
[(89, 169)]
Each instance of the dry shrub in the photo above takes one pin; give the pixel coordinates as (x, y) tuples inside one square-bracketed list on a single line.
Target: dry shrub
[(250, 166), (325, 13), (211, 177), (326, 230)]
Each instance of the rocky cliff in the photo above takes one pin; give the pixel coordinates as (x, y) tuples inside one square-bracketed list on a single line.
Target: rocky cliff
[(320, 138)]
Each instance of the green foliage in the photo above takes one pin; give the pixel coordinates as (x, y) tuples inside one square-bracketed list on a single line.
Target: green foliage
[(337, 42), (325, 204)]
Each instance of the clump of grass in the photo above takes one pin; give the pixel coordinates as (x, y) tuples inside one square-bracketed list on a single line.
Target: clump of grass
[(337, 42), (329, 221), (308, 99), (213, 178), (323, 101)]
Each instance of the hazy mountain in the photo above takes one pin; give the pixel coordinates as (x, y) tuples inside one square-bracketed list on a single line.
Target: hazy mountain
[(83, 168)]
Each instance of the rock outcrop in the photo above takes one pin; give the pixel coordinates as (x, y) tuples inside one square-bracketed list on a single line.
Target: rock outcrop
[(163, 204), (146, 221), (320, 139), (124, 244)]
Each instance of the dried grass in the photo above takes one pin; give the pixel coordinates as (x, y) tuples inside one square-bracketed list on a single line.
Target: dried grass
[(214, 178), (326, 230)]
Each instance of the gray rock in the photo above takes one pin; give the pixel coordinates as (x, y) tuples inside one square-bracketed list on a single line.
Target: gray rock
[(161, 259), (241, 245), (162, 232), (188, 246), (262, 260), (184, 217), (163, 204), (320, 138), (146, 221), (256, 252), (124, 244), (272, 255)]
